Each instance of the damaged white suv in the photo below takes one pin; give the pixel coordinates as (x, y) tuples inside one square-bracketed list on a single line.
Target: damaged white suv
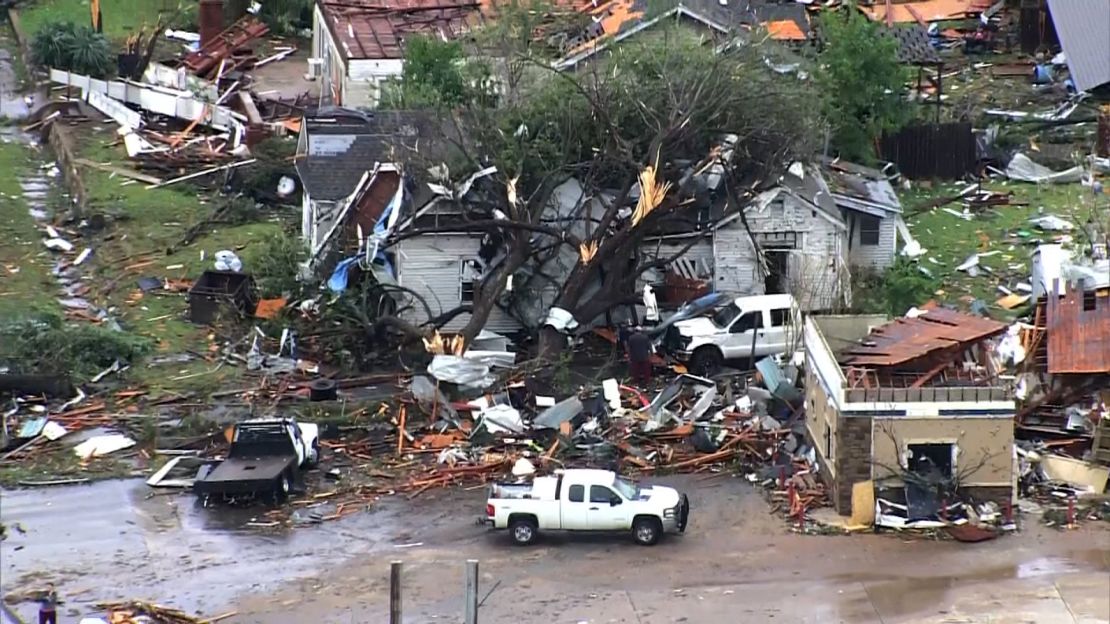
[(747, 327)]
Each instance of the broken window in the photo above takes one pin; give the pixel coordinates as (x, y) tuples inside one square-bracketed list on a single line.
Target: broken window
[(938, 460), (469, 273), (780, 317), (576, 494), (868, 230), (751, 320)]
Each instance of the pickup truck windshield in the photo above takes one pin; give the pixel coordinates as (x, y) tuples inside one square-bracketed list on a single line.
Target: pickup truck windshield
[(626, 489), (726, 315)]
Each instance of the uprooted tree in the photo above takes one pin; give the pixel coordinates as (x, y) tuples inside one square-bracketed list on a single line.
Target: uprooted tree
[(637, 130)]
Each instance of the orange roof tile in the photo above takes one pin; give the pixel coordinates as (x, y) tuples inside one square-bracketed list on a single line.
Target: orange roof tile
[(785, 30), (929, 10)]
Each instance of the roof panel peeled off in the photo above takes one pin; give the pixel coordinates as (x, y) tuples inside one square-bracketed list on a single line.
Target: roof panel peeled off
[(907, 339)]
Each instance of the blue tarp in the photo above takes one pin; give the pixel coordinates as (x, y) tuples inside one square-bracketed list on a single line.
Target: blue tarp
[(337, 283)]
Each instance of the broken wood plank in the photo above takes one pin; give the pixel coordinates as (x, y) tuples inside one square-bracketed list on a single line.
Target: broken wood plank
[(203, 173), (249, 108), (127, 173)]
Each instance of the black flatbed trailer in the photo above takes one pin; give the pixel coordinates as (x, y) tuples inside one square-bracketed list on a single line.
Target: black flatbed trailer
[(261, 460), (244, 475)]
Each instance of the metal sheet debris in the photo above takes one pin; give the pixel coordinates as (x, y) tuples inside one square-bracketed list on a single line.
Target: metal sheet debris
[(905, 339)]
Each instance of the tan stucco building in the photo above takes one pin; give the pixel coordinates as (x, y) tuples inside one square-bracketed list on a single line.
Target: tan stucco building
[(869, 431)]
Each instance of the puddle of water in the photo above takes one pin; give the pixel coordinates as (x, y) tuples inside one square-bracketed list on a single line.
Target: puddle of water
[(168, 548)]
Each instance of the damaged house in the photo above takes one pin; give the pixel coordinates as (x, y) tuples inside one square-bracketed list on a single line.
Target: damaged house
[(810, 231), (800, 237), (358, 45), (913, 408), (613, 21), (337, 150)]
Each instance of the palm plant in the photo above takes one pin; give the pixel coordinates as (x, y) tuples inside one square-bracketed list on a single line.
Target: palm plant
[(64, 45)]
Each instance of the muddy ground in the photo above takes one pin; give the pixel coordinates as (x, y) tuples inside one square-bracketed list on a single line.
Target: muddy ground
[(120, 539)]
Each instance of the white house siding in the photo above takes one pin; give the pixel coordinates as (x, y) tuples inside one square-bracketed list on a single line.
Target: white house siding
[(321, 215), (430, 266), (362, 88), (334, 68), (700, 253), (878, 256), (736, 269), (812, 266), (354, 83)]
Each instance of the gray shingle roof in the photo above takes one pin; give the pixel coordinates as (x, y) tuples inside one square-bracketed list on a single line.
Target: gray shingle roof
[(343, 145)]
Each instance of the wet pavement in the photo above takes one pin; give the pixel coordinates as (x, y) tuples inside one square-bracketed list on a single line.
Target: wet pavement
[(736, 563), (158, 545), (13, 105)]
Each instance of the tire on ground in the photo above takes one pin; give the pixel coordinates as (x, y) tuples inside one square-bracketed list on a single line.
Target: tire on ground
[(523, 530), (647, 530)]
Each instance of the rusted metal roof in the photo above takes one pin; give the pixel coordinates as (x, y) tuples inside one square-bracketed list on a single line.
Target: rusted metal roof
[(1079, 332), (906, 339), (376, 29), (208, 57)]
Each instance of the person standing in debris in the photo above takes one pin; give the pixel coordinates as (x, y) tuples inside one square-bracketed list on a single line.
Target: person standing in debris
[(639, 356), (48, 605)]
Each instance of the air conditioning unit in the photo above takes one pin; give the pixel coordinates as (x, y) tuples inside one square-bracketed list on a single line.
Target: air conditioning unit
[(315, 68)]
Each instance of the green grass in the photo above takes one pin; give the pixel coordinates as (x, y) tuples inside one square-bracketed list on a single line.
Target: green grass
[(147, 223), (1005, 229), (121, 18), (25, 263)]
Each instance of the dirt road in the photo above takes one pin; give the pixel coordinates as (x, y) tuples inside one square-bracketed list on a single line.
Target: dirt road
[(736, 563)]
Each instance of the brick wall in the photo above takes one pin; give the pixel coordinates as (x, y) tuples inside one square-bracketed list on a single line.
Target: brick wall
[(853, 459)]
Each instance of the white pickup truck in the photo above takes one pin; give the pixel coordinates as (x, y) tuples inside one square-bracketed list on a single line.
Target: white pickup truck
[(585, 500)]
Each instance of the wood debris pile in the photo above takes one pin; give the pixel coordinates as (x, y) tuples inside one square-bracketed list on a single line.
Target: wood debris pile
[(140, 612)]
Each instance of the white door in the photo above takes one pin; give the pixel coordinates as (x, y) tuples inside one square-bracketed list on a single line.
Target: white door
[(738, 343), (774, 336), (604, 515), (575, 509)]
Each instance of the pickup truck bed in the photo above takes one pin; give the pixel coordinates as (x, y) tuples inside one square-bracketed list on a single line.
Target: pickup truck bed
[(241, 475)]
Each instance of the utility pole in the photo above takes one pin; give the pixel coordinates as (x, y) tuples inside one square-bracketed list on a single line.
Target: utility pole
[(471, 591), (395, 592)]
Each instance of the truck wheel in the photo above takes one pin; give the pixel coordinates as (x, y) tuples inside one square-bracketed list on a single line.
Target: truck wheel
[(646, 531), (523, 531), (313, 458), (707, 361), (284, 487)]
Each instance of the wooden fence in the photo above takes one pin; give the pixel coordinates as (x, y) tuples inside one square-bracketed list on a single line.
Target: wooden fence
[(945, 151)]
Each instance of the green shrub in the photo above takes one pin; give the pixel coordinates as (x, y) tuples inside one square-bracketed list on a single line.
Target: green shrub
[(277, 265), (45, 344), (894, 291)]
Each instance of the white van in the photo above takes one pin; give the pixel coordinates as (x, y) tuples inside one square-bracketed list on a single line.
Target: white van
[(748, 327)]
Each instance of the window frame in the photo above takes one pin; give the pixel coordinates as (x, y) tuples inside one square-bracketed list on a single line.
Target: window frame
[(609, 493), (758, 314), (873, 235), (581, 493)]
